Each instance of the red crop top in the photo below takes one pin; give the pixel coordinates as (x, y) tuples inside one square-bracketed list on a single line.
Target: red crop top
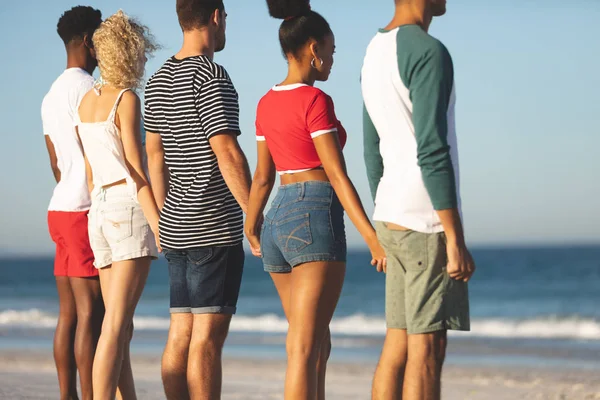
[(288, 118)]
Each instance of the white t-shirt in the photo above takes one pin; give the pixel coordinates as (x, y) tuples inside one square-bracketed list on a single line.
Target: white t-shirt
[(59, 108)]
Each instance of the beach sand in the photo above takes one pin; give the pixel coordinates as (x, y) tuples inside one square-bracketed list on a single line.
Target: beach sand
[(28, 375)]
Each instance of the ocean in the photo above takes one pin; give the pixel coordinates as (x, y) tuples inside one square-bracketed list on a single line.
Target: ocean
[(529, 306)]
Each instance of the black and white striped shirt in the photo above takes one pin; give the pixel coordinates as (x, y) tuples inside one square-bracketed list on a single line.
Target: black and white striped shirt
[(187, 102)]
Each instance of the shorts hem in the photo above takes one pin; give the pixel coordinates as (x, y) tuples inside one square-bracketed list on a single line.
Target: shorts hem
[(214, 310), (272, 269), (315, 258), (126, 257), (180, 310), (441, 326)]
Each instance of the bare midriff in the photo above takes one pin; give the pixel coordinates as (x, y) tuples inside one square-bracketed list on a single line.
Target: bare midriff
[(121, 182), (306, 176)]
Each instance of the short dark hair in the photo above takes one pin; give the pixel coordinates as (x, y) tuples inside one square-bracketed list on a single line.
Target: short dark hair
[(195, 14), (300, 24), (78, 22)]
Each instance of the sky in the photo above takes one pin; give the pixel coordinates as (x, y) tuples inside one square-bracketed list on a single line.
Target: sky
[(527, 114)]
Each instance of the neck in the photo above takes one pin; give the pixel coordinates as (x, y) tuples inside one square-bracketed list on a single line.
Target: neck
[(197, 42), (411, 14), (298, 74), (77, 57)]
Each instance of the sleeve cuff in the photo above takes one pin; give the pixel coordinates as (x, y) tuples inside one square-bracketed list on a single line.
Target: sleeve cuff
[(323, 132)]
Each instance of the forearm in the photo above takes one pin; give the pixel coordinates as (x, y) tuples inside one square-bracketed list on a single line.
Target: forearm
[(236, 173), (148, 203), (348, 196), (259, 195), (452, 224)]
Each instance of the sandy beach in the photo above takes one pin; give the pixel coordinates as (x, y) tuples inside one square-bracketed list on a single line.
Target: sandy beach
[(31, 376)]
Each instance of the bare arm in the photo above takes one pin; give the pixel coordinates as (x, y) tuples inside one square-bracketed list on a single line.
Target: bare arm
[(53, 158), (330, 154), (129, 114), (262, 184), (233, 166), (159, 173)]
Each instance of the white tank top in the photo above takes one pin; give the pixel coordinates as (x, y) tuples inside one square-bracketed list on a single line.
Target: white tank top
[(103, 148)]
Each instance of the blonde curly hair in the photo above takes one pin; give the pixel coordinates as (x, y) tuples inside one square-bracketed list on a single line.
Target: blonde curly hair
[(122, 45)]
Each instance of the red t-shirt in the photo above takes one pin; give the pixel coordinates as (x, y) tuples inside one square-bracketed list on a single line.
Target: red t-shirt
[(288, 118)]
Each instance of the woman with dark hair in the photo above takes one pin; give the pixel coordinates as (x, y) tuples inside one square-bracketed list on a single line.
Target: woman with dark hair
[(302, 241)]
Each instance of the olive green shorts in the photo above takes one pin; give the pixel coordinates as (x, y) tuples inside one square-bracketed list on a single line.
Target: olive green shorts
[(420, 296)]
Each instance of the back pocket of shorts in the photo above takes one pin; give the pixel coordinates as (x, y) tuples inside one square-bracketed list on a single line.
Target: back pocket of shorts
[(293, 233), (117, 224)]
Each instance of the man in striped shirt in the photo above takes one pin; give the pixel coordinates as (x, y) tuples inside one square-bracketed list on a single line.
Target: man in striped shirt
[(192, 123)]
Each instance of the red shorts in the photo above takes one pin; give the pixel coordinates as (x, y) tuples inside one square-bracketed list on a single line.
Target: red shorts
[(74, 256)]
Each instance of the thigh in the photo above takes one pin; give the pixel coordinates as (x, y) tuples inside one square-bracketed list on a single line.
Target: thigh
[(283, 284), (88, 295), (214, 278), (65, 297), (178, 287), (315, 291), (124, 288)]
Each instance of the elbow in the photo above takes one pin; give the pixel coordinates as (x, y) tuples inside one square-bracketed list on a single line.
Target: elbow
[(264, 180)]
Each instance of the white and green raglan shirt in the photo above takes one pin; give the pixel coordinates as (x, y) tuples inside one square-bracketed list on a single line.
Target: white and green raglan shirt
[(409, 129)]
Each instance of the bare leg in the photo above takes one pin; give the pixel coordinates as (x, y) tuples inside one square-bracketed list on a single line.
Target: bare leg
[(283, 286), (121, 292), (63, 340), (204, 372), (175, 357), (315, 291), (126, 386), (389, 376), (422, 380), (90, 311)]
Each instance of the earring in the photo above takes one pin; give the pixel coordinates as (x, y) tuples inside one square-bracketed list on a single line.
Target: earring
[(312, 63)]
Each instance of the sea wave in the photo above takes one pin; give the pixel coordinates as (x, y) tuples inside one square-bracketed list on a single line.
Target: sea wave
[(356, 325)]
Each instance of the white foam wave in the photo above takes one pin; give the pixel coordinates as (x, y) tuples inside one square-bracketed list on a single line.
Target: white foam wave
[(359, 325)]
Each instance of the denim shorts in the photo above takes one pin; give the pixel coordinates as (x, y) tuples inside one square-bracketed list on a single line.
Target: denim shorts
[(305, 224), (205, 280), (118, 229)]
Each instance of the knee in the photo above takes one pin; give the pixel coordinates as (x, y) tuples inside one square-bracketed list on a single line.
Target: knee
[(303, 350), (325, 350), (210, 340), (431, 352)]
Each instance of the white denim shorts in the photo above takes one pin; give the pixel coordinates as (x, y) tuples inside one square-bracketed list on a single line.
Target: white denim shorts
[(118, 229)]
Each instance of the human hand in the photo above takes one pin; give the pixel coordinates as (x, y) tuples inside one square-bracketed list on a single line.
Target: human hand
[(461, 266), (379, 259)]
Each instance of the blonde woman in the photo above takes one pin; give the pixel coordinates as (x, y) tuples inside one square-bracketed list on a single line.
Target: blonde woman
[(123, 220)]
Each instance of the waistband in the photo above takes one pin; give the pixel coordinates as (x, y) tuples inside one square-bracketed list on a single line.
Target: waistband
[(117, 192)]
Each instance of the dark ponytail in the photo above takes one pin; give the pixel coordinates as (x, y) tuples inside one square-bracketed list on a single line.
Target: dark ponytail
[(300, 24)]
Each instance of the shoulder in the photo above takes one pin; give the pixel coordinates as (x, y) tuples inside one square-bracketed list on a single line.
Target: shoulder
[(209, 71), (130, 98), (415, 43), (317, 97)]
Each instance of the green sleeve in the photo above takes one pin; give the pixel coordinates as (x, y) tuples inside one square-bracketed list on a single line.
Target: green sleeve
[(429, 76), (373, 159)]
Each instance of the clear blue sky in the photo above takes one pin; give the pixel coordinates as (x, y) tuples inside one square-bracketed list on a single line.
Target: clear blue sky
[(528, 110)]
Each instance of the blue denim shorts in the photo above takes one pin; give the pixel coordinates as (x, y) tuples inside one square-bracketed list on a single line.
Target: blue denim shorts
[(305, 224), (205, 280)]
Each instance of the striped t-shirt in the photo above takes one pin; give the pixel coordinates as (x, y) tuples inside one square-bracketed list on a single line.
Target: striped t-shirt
[(187, 102)]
